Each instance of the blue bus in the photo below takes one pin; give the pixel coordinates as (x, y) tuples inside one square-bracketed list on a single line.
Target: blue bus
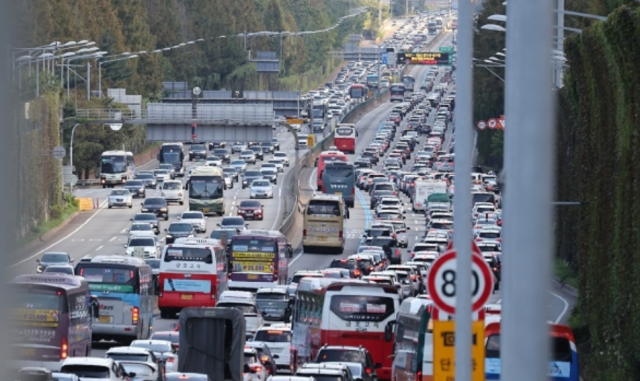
[(338, 178), (409, 82), (125, 292)]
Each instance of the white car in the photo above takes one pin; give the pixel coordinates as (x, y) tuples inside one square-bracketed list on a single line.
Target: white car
[(162, 349), (261, 189), (120, 197), (162, 175), (248, 156), (282, 156), (214, 161), (150, 246), (279, 163), (141, 229), (172, 191), (489, 234), (277, 337), (240, 165), (143, 371), (258, 371), (390, 201), (109, 369), (228, 180), (197, 219)]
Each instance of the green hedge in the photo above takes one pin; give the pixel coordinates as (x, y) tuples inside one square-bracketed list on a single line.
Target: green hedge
[(598, 155)]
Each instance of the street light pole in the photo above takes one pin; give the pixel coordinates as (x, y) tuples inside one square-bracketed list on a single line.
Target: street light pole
[(73, 130), (560, 43), (528, 217)]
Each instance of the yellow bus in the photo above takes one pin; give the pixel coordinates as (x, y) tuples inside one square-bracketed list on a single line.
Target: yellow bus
[(323, 229)]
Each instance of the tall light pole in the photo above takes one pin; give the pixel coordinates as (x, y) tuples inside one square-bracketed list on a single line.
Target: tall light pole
[(86, 56), (100, 63)]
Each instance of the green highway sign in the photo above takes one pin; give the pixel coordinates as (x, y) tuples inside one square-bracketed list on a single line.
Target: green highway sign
[(446, 49)]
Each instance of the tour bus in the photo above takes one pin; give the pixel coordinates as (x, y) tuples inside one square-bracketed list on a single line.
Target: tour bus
[(345, 313), (193, 273), (323, 226), (52, 316), (326, 157), (124, 288), (114, 168), (397, 92), (206, 190), (358, 91), (172, 153), (409, 82), (259, 258), (131, 162), (345, 137), (564, 355), (338, 178)]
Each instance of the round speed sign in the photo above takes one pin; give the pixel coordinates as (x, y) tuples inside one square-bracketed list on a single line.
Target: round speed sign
[(441, 282)]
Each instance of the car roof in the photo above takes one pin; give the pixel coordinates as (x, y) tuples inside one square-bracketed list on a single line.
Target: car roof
[(128, 350), (276, 327), (279, 290), (99, 361), (151, 342)]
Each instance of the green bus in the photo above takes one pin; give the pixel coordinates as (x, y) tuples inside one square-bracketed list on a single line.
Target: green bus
[(206, 190)]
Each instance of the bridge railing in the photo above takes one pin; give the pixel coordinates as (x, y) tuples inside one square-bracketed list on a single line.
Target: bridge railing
[(105, 114)]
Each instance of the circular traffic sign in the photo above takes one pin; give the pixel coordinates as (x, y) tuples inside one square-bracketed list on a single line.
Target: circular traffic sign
[(59, 152), (482, 125), (441, 282), (492, 123)]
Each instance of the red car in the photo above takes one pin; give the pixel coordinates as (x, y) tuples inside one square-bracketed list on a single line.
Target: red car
[(251, 210)]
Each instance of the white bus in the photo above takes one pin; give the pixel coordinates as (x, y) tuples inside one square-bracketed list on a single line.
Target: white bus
[(115, 168)]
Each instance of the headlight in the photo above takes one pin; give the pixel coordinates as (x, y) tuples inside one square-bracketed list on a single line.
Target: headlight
[(40, 269), (144, 209), (163, 209), (169, 236)]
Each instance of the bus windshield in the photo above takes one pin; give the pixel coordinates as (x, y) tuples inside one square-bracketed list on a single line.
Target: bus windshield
[(113, 164), (339, 171), (205, 187), (345, 131)]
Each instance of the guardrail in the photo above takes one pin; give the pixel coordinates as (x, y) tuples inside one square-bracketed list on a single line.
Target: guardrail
[(168, 114)]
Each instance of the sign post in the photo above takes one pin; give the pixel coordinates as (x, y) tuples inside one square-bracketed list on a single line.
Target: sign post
[(444, 350)]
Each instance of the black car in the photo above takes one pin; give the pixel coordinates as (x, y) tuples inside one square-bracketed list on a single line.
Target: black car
[(389, 246), (149, 218), (157, 206), (223, 154), (136, 187), (214, 145), (53, 259), (270, 174), (258, 151), (179, 230), (362, 163), (248, 178), (267, 147), (148, 179), (197, 151)]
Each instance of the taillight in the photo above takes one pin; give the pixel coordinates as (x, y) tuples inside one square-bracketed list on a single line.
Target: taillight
[(394, 235), (64, 348), (478, 239), (499, 239), (353, 191), (368, 370), (304, 232), (170, 359), (340, 234), (356, 272), (413, 255), (324, 190), (135, 316), (413, 277), (264, 359), (256, 368)]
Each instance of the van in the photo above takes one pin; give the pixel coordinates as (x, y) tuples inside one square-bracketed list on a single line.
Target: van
[(302, 140), (423, 189)]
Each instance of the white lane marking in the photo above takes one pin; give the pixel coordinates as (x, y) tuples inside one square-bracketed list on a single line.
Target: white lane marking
[(124, 230), (499, 301), (280, 192), (276, 220), (564, 310), (294, 259), (111, 240), (416, 221), (102, 205), (99, 247)]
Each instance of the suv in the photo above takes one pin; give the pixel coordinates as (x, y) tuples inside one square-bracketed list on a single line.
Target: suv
[(350, 264), (349, 354), (277, 337), (197, 151)]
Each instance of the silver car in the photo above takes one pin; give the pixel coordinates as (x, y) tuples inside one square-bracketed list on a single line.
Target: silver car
[(240, 165), (197, 219), (248, 156), (120, 197), (162, 349)]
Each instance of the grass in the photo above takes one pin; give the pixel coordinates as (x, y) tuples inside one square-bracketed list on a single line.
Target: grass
[(53, 223), (565, 273)]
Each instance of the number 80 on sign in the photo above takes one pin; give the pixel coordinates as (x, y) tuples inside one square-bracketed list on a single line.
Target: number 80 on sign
[(441, 282)]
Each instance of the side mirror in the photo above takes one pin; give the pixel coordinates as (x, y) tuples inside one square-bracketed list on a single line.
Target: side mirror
[(404, 217), (166, 230), (388, 333), (71, 260), (218, 225), (276, 356), (37, 261), (125, 246)]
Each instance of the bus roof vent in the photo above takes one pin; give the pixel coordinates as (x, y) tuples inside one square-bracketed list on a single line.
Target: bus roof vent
[(197, 241)]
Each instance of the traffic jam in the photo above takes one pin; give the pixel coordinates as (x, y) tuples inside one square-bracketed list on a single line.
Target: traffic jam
[(241, 314)]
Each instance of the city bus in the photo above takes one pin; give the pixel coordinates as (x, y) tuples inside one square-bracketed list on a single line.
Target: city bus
[(409, 82), (345, 313), (206, 190), (323, 225), (432, 29), (114, 168), (124, 288), (372, 81), (564, 355), (193, 273), (397, 91), (259, 258), (52, 317), (358, 91), (326, 157), (413, 341), (172, 153), (345, 137), (338, 178)]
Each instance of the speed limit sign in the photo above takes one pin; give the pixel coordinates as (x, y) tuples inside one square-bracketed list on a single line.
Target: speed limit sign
[(441, 282)]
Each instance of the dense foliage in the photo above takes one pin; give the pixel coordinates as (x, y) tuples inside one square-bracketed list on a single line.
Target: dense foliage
[(598, 159)]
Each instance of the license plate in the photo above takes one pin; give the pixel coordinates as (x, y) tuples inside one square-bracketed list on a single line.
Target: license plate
[(322, 239), (27, 351), (105, 319), (339, 193), (252, 276), (186, 297), (205, 210), (249, 214)]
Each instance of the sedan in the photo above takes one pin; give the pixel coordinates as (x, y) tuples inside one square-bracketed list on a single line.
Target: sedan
[(214, 161), (279, 163), (142, 370), (248, 156), (232, 223), (270, 174), (51, 259), (258, 151), (232, 172), (238, 147), (162, 175), (170, 168), (136, 188), (120, 197), (162, 349), (251, 209), (60, 269), (281, 156), (197, 219), (239, 165), (148, 179), (179, 230), (261, 189), (141, 229), (228, 181), (149, 218), (157, 206)]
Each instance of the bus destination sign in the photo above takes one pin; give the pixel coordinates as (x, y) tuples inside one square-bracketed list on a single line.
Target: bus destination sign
[(424, 58)]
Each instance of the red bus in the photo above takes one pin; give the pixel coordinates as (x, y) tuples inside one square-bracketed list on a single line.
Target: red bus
[(345, 138), (193, 273), (345, 313), (328, 156)]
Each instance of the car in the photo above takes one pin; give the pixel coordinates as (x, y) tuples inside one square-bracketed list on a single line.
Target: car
[(238, 147), (175, 376), (88, 368), (148, 179), (233, 172), (223, 154), (149, 247), (354, 269), (53, 258), (248, 156), (270, 174), (279, 164), (412, 276), (161, 175), (274, 303), (162, 349), (170, 168), (264, 354), (267, 147), (228, 180), (197, 151), (136, 187), (214, 145), (171, 336), (179, 230), (231, 222), (141, 229), (251, 209), (253, 364), (239, 165), (172, 191), (249, 176), (120, 197), (157, 206), (329, 373), (214, 161), (64, 376), (275, 143), (258, 152), (148, 218), (218, 233), (344, 370), (139, 355), (60, 269), (282, 156), (261, 188), (197, 219), (489, 234)]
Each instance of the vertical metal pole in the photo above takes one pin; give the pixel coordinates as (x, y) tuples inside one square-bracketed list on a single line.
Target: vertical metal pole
[(61, 71), (100, 78), (380, 14), (37, 78), (560, 45), (462, 201), (68, 63), (525, 345), (88, 80)]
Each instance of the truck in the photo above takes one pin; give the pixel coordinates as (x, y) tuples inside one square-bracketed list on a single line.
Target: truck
[(212, 342), (423, 189)]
